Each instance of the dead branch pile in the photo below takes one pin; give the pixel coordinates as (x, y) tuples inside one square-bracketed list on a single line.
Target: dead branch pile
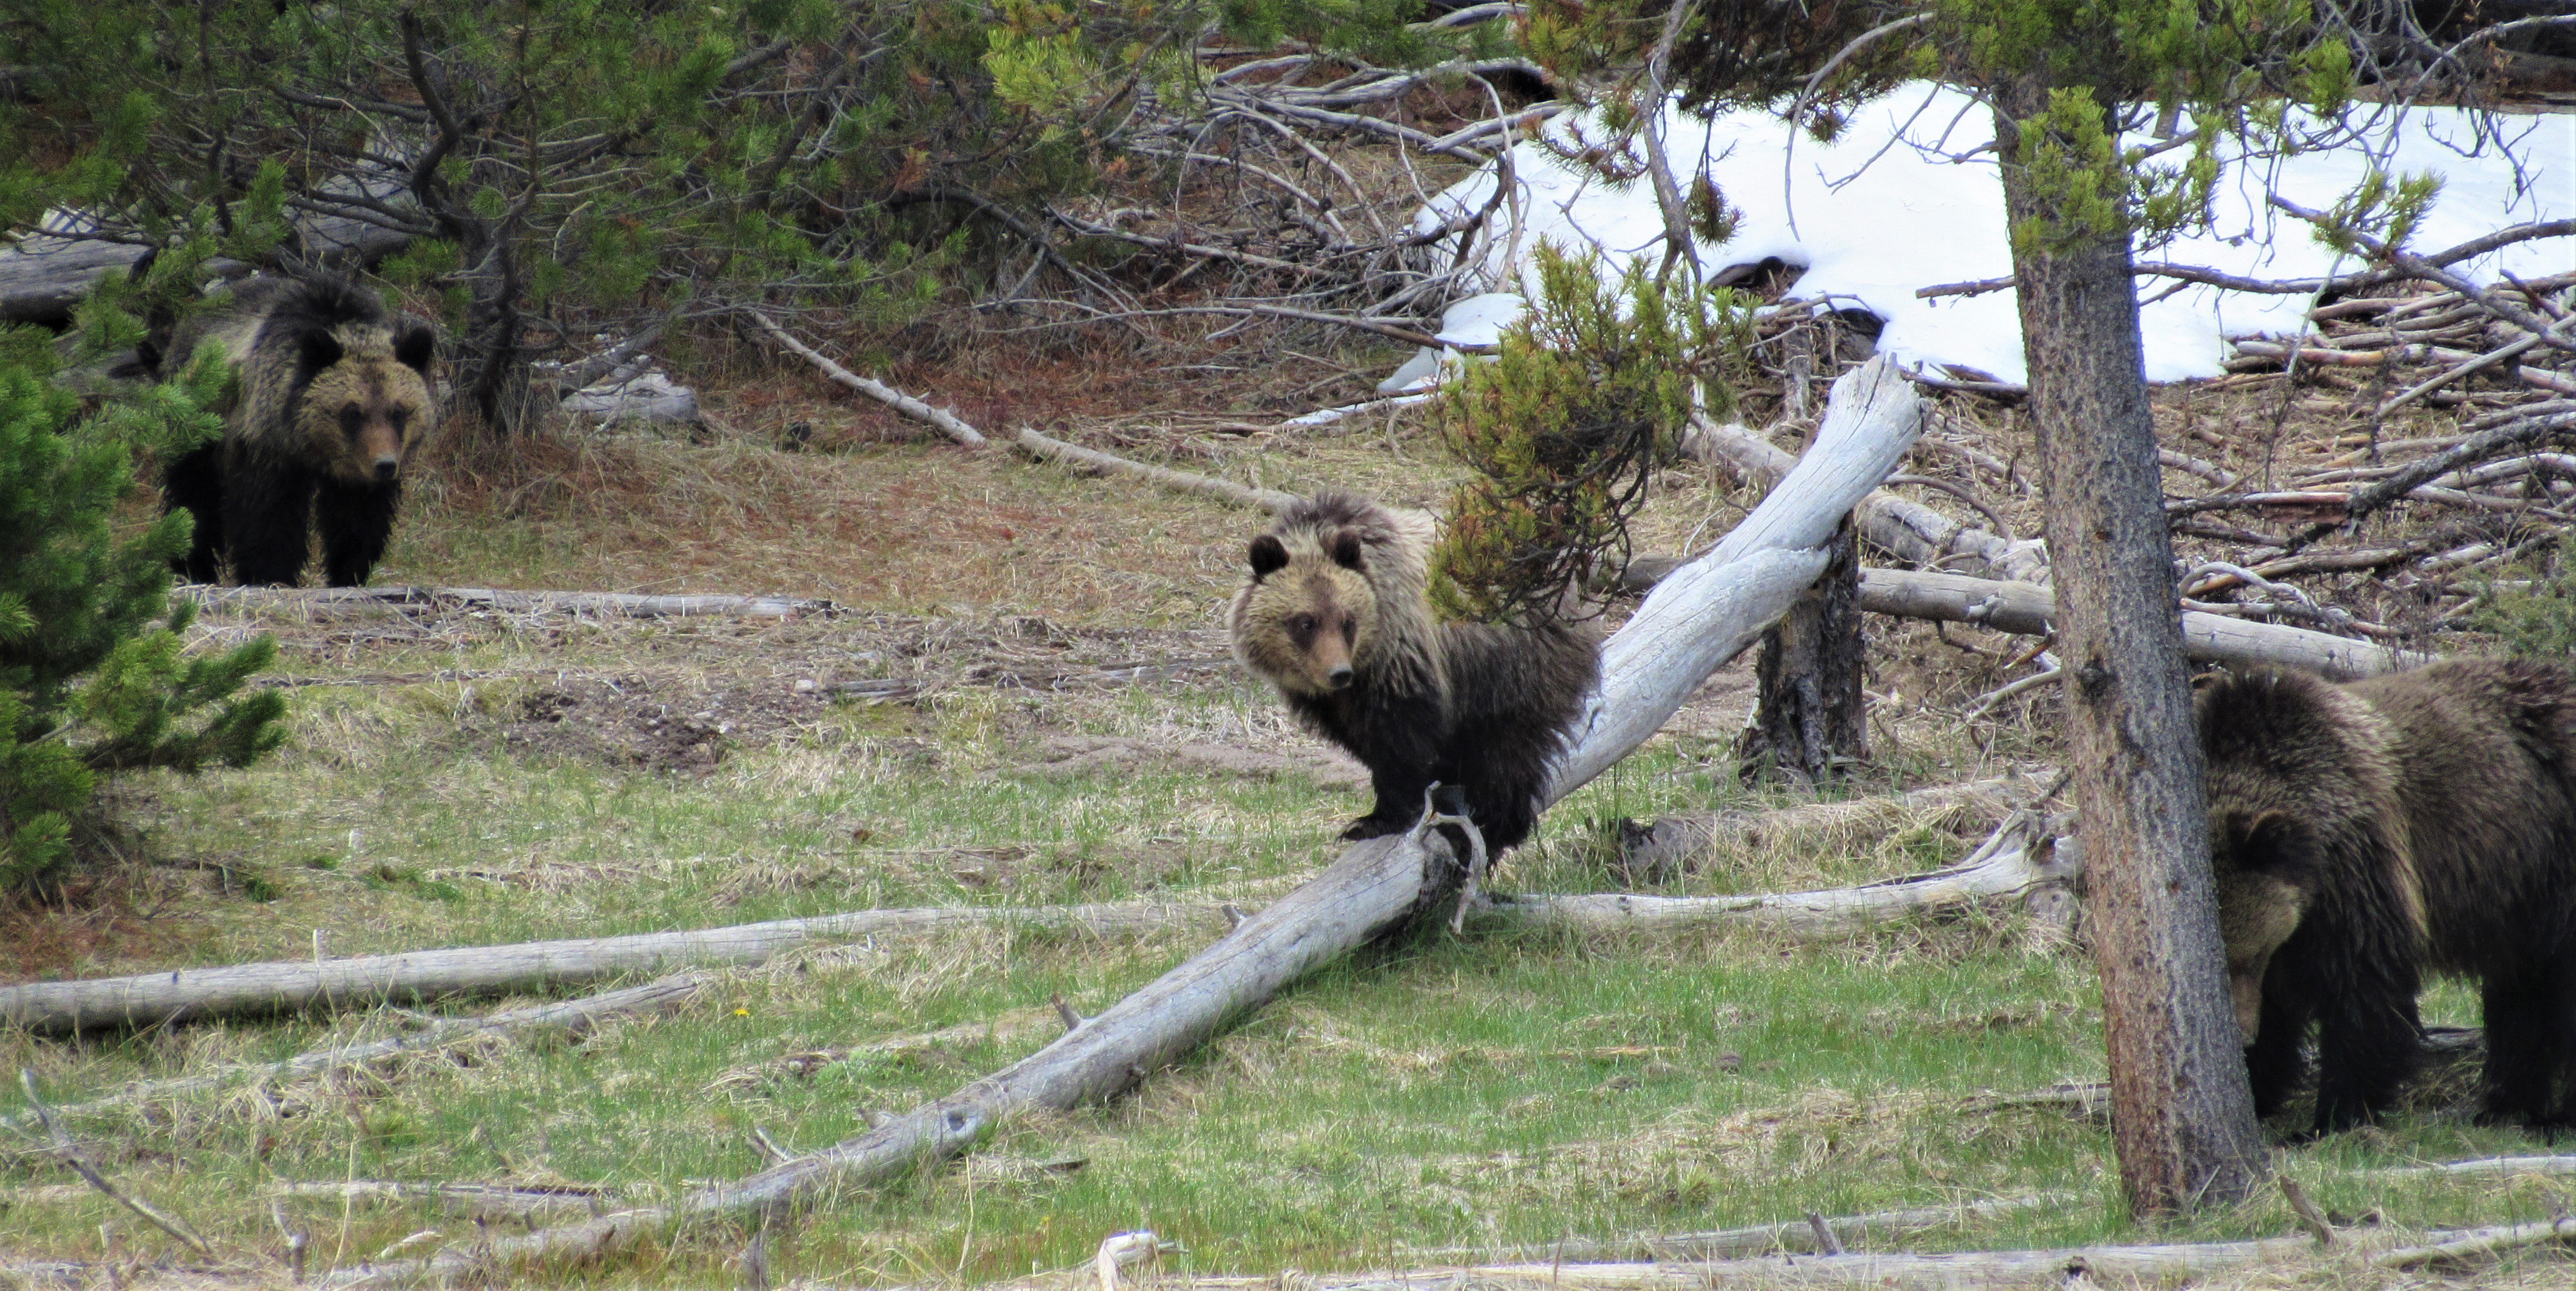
[(2375, 479), (1287, 193)]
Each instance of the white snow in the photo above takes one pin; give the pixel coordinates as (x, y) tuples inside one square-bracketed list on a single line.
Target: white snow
[(1476, 322), (1889, 207)]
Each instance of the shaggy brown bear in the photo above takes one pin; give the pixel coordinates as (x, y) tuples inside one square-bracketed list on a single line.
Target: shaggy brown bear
[(2367, 833), (333, 395), (1337, 617)]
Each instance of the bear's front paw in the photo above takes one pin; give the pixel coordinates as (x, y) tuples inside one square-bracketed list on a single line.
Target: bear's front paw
[(1367, 827)]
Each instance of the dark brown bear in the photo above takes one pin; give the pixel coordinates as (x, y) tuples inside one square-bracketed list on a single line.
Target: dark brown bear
[(2366, 834), (1337, 617), (334, 394)]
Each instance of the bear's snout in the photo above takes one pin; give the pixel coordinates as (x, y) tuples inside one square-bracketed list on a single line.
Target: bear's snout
[(1339, 677), (387, 467)]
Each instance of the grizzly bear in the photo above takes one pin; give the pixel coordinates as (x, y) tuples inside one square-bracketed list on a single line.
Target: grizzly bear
[(333, 396), (2368, 833), (1337, 616)]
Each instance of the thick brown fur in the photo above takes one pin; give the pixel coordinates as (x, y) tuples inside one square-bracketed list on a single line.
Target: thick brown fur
[(334, 394), (1337, 616), (2369, 833)]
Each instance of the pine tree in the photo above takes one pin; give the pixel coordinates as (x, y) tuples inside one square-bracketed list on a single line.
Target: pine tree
[(1585, 401), (92, 675)]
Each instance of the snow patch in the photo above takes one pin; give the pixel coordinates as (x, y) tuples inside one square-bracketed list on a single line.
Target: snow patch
[(1904, 198)]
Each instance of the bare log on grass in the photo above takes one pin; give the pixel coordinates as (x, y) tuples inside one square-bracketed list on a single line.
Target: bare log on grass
[(1698, 620), (1797, 1236), (286, 985), (1667, 845), (2016, 858), (322, 602), (573, 1016), (2476, 1244)]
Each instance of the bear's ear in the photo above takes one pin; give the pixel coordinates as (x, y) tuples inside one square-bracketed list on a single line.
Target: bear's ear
[(2273, 842), (316, 350), (1267, 555), (415, 347), (1346, 550)]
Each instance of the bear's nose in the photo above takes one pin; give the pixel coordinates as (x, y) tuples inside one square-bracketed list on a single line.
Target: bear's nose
[(1339, 677), (387, 468)]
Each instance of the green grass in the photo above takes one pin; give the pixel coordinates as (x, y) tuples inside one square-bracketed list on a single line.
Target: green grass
[(1478, 1094)]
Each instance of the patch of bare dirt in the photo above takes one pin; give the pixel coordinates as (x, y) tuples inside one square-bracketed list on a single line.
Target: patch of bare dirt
[(631, 721)]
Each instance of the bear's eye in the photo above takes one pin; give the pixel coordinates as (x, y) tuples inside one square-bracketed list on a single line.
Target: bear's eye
[(1303, 625), (397, 417), (1350, 631), (351, 418)]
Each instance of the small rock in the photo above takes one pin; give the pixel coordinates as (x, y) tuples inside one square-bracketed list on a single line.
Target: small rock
[(804, 685)]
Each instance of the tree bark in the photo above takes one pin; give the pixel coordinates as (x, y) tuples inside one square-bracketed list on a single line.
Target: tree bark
[(1810, 720), (2183, 1114)]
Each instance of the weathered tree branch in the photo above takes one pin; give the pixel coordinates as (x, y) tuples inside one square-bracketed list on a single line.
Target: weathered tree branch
[(1913, 532), (2014, 859), (2031, 610), (286, 985), (574, 1016), (947, 423)]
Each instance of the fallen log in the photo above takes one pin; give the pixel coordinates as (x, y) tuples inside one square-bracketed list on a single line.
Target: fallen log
[(1700, 618), (190, 994), (2013, 860), (939, 419), (321, 602), (573, 1016), (2028, 609), (1743, 584), (1796, 1235), (1667, 845), (1045, 448), (1056, 450), (2452, 1248), (1914, 533)]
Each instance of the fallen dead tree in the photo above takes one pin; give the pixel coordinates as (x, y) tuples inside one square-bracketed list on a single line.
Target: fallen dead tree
[(2028, 609), (1698, 620), (1797, 1235), (2016, 858), (1666, 846), (1911, 531), (2072, 1266), (286, 985), (570, 1016), (323, 602), (1045, 448)]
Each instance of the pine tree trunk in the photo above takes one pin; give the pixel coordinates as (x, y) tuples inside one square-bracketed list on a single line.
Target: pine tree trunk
[(2182, 1113), (1810, 719)]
